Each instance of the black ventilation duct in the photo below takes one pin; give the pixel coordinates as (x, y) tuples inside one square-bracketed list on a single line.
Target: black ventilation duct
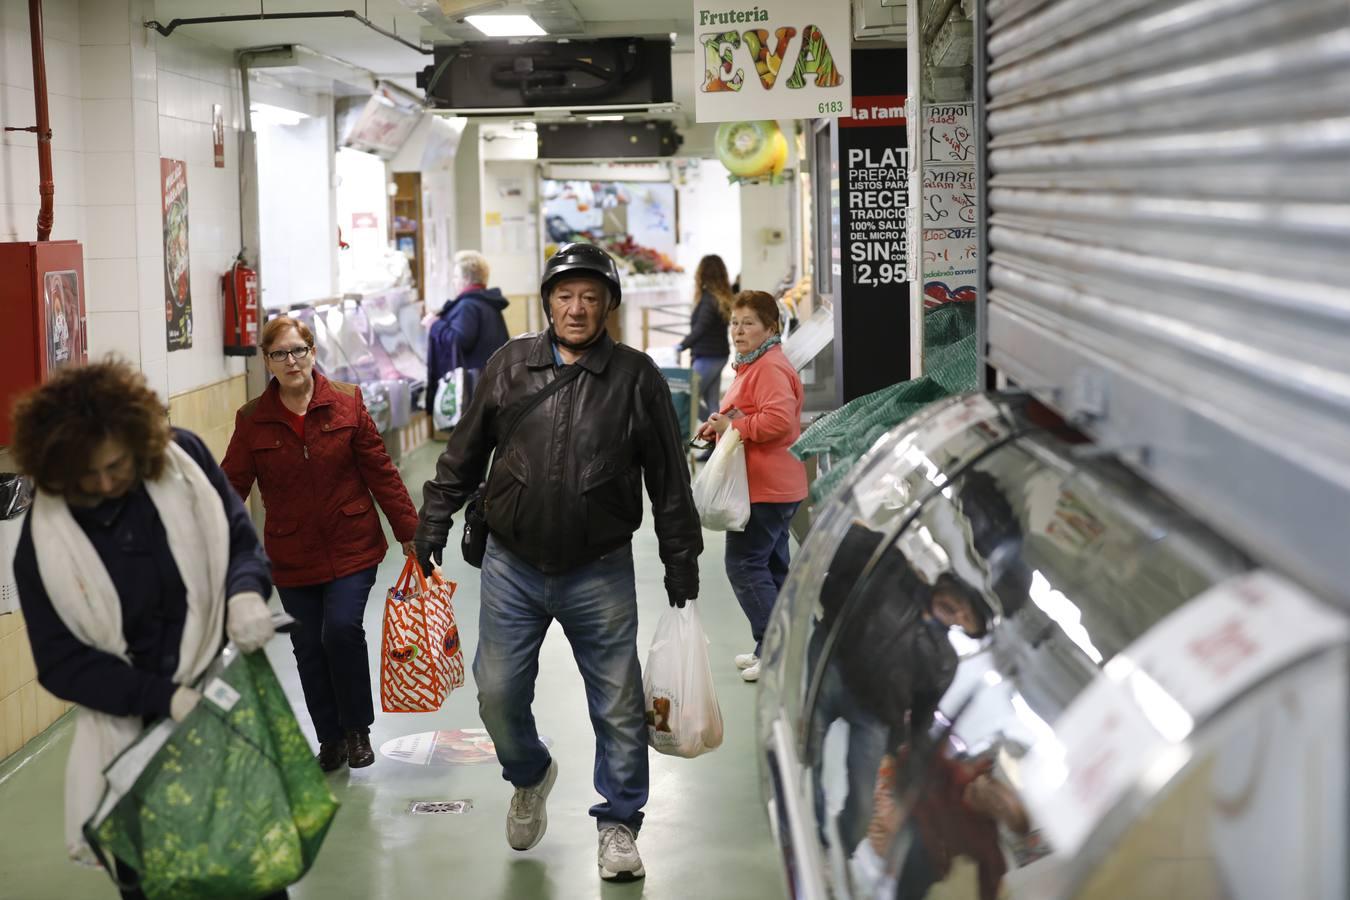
[(496, 76)]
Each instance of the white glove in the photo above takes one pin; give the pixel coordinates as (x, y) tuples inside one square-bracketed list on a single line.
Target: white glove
[(184, 700), (249, 621)]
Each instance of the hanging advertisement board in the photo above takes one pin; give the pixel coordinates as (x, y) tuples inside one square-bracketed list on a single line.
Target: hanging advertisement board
[(773, 59)]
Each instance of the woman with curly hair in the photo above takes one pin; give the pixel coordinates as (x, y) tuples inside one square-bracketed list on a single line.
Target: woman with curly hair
[(135, 563)]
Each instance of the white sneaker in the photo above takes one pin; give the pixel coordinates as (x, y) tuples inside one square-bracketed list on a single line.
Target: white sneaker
[(746, 660), (618, 858), (751, 673), (527, 818)]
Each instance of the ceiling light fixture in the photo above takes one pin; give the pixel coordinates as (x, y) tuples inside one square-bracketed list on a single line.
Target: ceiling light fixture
[(506, 26), (615, 118)]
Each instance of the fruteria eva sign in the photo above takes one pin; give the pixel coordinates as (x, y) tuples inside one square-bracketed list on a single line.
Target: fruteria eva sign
[(775, 59)]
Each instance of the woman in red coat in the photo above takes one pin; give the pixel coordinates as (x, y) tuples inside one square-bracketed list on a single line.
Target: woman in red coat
[(318, 457)]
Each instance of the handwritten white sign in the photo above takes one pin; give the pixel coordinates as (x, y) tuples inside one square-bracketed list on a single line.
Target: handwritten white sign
[(950, 209)]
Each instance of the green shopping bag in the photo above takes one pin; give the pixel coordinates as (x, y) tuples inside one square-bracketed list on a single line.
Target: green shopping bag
[(230, 803)]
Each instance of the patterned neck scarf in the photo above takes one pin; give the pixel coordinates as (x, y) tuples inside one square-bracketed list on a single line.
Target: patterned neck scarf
[(745, 359)]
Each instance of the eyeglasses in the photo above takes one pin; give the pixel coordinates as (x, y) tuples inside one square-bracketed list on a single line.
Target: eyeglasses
[(295, 353)]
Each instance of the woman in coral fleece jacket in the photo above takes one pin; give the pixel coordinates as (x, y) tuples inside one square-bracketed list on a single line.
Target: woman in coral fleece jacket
[(764, 405)]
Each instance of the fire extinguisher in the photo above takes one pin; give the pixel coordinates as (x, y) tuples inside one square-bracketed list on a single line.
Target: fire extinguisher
[(240, 284)]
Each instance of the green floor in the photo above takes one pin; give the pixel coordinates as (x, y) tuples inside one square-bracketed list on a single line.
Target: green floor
[(705, 834)]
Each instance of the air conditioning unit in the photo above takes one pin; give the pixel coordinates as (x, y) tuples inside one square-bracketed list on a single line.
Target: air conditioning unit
[(494, 77), (607, 140)]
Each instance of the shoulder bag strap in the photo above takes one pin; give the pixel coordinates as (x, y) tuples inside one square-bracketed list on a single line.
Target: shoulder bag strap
[(569, 375)]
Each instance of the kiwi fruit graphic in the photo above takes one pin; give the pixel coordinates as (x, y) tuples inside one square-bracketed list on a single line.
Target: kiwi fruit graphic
[(749, 149)]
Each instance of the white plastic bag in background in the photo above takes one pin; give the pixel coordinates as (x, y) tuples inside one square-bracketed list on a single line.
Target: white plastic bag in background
[(683, 718), (722, 488), (448, 405)]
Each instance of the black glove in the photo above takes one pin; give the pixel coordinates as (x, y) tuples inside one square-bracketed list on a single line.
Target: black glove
[(427, 554), (681, 586)]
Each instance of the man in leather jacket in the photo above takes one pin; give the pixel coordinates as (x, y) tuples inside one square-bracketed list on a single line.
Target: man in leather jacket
[(562, 500)]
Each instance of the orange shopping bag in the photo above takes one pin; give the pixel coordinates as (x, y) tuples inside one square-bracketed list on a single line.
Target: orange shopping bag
[(420, 658)]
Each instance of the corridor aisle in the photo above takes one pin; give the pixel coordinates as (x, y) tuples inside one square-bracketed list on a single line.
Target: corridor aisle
[(705, 834)]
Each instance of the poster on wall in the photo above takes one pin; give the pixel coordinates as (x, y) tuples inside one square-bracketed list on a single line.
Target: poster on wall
[(950, 208), (177, 284), (61, 302), (772, 59)]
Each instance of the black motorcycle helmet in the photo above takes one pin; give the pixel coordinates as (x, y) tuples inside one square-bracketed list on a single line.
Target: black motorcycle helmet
[(579, 259)]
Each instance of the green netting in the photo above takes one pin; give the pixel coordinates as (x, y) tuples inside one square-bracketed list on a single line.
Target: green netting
[(847, 433), (232, 805)]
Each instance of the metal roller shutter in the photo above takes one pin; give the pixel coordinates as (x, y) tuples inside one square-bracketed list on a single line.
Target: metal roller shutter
[(1169, 249)]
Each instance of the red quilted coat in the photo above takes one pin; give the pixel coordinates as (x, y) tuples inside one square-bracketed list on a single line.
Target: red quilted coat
[(321, 522)]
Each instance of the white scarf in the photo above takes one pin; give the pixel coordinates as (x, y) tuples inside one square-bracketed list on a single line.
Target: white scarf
[(84, 598)]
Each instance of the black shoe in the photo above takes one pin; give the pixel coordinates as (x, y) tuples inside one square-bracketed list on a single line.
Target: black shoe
[(332, 754), (359, 754)]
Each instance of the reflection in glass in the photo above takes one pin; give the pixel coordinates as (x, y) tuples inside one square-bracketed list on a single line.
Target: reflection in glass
[(959, 593)]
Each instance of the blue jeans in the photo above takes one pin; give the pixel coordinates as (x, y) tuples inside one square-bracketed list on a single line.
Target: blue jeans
[(757, 562), (596, 605), (709, 371), (330, 652)]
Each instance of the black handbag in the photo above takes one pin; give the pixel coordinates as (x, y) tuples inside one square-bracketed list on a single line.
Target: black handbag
[(473, 544)]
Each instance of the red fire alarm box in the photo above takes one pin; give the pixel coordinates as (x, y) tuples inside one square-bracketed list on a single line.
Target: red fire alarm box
[(42, 295)]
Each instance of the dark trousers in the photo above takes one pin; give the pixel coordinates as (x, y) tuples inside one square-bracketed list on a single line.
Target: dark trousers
[(128, 875), (757, 562), (330, 652), (709, 371)]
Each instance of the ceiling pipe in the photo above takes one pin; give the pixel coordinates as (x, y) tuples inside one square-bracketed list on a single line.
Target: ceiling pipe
[(43, 128), (167, 30)]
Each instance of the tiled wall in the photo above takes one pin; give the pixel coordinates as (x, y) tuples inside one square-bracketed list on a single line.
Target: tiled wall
[(208, 412), (192, 77), (121, 97), (18, 153), (25, 708)]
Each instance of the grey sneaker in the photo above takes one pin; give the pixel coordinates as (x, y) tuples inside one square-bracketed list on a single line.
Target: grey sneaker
[(527, 818), (618, 858)]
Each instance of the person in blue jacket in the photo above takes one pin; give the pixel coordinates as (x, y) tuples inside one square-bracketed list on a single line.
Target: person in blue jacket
[(469, 328)]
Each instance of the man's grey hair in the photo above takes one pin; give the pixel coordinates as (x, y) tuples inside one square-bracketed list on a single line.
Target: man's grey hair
[(471, 266)]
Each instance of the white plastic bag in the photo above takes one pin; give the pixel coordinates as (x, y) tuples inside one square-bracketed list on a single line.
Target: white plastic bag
[(683, 718), (721, 488), (448, 404)]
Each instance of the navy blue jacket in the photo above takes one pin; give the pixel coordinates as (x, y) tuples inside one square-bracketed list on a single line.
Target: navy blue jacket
[(707, 330), (471, 328), (129, 537)]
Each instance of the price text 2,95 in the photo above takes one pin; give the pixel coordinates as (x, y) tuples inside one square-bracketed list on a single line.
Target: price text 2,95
[(882, 273)]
